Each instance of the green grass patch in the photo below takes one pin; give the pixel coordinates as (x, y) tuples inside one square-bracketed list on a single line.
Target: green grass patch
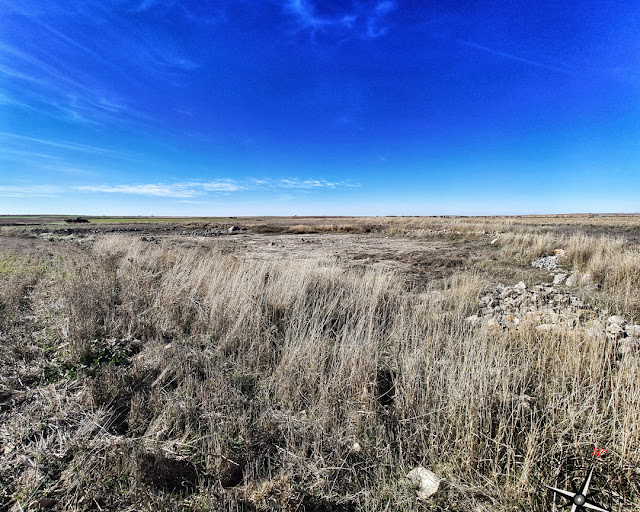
[(8, 264), (11, 263)]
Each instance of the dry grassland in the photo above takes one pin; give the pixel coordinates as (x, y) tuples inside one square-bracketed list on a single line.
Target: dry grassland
[(188, 373)]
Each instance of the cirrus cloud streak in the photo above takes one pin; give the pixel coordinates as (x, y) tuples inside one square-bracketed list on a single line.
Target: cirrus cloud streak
[(190, 189)]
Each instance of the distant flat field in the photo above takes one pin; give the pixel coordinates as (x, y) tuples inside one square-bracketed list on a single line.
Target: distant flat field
[(623, 225), (60, 219), (33, 220), (574, 219)]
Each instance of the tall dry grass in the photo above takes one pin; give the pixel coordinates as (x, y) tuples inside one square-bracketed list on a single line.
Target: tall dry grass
[(464, 226), (290, 384)]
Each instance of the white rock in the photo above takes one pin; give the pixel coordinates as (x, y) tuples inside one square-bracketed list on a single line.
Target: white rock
[(473, 320), (614, 330), (494, 241), (632, 330), (427, 481), (616, 319), (521, 286), (559, 278), (587, 279), (571, 280), (546, 262), (493, 323)]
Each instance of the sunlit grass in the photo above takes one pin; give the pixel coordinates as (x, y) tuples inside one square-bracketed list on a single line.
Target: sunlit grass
[(282, 365)]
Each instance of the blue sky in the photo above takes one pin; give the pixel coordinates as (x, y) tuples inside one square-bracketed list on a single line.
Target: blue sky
[(283, 107)]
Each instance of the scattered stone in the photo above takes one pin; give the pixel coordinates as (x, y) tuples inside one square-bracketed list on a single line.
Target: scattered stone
[(427, 481), (616, 319), (493, 325), (571, 280), (473, 320), (559, 278), (493, 242), (356, 447), (587, 280), (512, 307), (547, 309), (546, 262), (615, 331), (632, 330)]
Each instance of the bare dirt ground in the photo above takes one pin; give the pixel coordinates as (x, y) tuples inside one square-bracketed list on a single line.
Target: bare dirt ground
[(365, 242), (415, 258), (419, 262)]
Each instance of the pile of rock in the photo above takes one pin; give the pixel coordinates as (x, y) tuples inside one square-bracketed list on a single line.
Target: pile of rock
[(199, 232), (550, 309), (546, 262), (508, 307), (552, 264)]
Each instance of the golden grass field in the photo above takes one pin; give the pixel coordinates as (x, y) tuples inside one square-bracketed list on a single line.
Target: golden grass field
[(308, 364)]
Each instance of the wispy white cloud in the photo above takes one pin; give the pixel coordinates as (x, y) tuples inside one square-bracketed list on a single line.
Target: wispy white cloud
[(41, 158), (191, 189), (171, 6), (362, 20), (512, 57), (59, 144), (8, 52), (177, 190), (375, 21), (156, 190), (19, 154), (57, 83), (307, 15), (197, 192), (8, 100), (385, 7), (12, 73), (29, 191), (309, 183), (145, 5), (219, 186)]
